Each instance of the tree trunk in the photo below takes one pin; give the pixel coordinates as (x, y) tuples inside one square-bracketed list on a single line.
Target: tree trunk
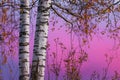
[(40, 41), (24, 40)]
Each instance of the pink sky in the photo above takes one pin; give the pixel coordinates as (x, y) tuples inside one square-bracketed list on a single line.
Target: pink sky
[(99, 46)]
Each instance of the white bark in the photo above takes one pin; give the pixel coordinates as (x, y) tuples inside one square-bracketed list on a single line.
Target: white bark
[(40, 42), (24, 34)]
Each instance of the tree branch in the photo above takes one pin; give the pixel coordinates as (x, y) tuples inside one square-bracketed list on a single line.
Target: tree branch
[(60, 15), (66, 9)]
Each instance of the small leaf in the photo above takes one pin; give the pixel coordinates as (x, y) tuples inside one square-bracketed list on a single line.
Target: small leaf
[(4, 34), (4, 60), (60, 43), (52, 29), (108, 10), (86, 0), (0, 71)]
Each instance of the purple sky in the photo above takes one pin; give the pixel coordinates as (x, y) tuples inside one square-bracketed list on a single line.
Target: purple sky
[(99, 46)]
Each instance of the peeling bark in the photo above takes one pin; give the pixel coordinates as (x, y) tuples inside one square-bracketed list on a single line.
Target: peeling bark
[(40, 41), (24, 34)]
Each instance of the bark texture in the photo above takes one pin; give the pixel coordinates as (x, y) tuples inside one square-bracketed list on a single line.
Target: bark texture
[(40, 41), (24, 40)]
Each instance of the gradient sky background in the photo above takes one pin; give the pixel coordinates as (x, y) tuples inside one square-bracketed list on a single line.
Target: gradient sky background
[(99, 46)]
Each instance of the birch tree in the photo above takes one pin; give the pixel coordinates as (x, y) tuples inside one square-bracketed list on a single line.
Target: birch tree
[(80, 12), (24, 40), (40, 41)]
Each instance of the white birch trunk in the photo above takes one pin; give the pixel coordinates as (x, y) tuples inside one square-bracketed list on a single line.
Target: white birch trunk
[(40, 41), (24, 34)]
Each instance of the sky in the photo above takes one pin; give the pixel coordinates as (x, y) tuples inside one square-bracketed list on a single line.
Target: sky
[(99, 46)]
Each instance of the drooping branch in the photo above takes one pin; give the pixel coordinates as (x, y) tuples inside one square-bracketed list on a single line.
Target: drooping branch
[(60, 15), (67, 10), (107, 7)]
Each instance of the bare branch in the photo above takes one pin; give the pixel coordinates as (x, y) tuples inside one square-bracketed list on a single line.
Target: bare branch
[(60, 15), (67, 10)]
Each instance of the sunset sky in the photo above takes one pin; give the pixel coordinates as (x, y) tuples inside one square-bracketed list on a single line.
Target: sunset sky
[(99, 48)]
